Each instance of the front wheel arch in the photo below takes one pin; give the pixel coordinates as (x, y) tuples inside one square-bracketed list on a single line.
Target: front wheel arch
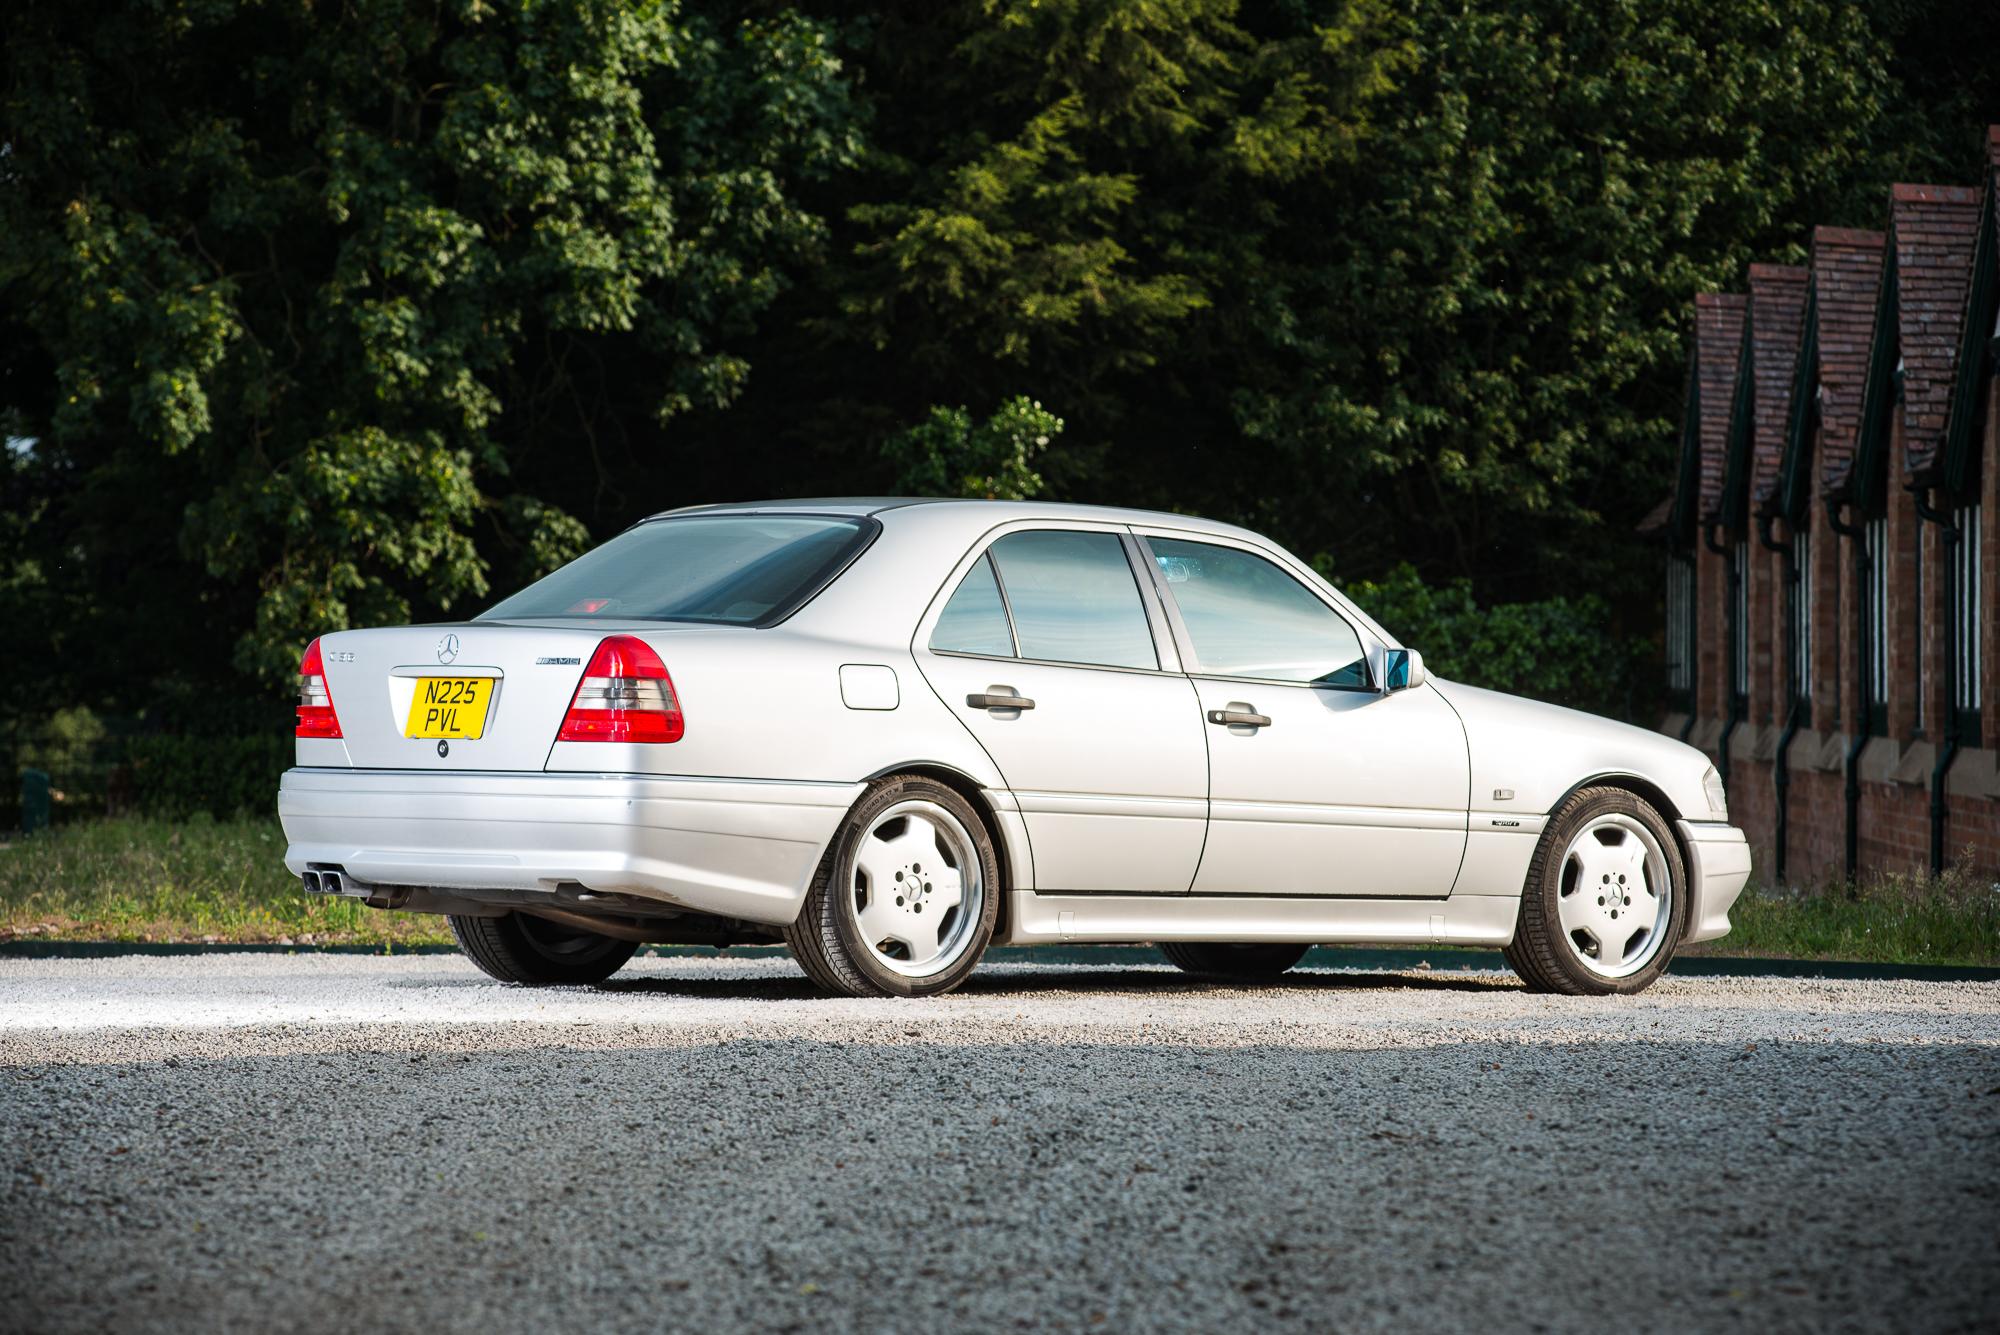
[(1646, 791), (1542, 922)]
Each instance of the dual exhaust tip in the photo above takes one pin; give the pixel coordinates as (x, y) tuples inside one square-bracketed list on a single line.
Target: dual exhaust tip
[(322, 882)]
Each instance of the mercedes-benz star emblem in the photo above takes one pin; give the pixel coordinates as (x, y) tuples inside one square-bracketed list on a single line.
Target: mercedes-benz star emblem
[(448, 649), (444, 748)]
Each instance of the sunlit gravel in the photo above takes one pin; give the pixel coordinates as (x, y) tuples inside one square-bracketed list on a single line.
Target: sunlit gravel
[(334, 1142)]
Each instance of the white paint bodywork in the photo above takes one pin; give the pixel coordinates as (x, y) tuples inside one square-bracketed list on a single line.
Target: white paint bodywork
[(1121, 812)]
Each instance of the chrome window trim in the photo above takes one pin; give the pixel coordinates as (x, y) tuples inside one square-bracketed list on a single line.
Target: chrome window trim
[(981, 549)]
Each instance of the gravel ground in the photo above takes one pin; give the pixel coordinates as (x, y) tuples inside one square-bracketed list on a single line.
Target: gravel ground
[(340, 1142)]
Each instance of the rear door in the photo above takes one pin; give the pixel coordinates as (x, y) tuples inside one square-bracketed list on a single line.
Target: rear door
[(1319, 784), (1043, 644)]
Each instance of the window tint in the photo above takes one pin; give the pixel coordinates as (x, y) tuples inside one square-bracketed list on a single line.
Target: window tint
[(974, 622), (1248, 618), (728, 568), (1074, 599)]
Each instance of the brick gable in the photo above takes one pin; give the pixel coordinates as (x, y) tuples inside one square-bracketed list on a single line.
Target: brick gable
[(1932, 230), (1777, 316), (1846, 277), (1718, 345)]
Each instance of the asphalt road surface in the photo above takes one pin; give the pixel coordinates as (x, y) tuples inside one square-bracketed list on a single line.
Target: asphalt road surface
[(341, 1142)]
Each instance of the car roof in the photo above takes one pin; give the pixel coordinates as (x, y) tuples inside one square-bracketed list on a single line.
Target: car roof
[(984, 512), (965, 520)]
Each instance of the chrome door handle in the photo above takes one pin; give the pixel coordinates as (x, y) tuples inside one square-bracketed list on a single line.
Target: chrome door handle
[(1238, 718), (996, 699)]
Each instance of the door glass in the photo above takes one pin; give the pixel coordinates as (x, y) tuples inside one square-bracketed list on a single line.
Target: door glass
[(974, 622), (1248, 618), (1074, 599)]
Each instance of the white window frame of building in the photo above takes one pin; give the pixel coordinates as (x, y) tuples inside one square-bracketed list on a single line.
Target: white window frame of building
[(1739, 622), (1680, 626), (1875, 610), (1802, 615), (1968, 597)]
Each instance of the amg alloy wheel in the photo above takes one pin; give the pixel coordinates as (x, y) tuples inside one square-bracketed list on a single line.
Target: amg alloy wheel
[(906, 898), (1605, 901)]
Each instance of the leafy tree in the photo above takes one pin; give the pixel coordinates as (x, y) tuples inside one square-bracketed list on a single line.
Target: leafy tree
[(319, 314), (1058, 195), (950, 454), (1550, 649), (1392, 281), (314, 286), (1482, 369)]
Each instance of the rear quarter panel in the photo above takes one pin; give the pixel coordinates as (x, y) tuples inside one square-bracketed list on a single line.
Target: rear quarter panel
[(767, 704)]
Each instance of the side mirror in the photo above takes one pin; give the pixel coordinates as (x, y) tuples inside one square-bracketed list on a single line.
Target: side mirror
[(1402, 669)]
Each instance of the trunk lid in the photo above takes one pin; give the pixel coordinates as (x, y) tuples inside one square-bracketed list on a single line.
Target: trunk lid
[(532, 670)]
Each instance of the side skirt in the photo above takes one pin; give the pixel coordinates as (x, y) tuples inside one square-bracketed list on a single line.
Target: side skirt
[(1461, 920)]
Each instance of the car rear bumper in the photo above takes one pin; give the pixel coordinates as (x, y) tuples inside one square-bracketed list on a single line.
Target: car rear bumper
[(1718, 866), (742, 848)]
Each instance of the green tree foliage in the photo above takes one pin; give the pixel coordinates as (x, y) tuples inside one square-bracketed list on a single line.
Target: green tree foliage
[(313, 289), (1551, 649), (322, 314), (1395, 281), (950, 454), (1490, 349)]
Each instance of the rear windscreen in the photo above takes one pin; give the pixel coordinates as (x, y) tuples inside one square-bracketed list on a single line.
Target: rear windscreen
[(736, 569)]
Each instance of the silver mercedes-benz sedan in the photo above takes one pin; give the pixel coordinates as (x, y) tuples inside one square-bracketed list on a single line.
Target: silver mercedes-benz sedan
[(891, 733)]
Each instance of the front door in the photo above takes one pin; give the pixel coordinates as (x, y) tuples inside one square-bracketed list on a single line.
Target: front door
[(1045, 650), (1319, 784)]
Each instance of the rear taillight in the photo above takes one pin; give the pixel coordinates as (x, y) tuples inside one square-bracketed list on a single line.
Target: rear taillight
[(316, 716), (625, 696)]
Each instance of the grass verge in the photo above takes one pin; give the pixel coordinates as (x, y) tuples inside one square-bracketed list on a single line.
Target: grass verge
[(203, 880), (199, 880), (1954, 919)]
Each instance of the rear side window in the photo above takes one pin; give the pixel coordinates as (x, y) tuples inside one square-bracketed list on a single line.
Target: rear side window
[(1073, 598), (975, 620), (1248, 618), (732, 569)]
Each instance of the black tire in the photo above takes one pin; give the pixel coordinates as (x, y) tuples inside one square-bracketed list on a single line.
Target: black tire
[(1258, 963), (825, 939), (1540, 951), (521, 948)]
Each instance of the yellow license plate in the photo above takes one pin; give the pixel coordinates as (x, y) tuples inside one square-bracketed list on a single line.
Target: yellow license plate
[(453, 707)]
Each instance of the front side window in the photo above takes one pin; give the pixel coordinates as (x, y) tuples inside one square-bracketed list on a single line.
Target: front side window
[(1247, 617), (739, 569)]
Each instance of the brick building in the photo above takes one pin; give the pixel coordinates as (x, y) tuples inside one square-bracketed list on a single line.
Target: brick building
[(1833, 625)]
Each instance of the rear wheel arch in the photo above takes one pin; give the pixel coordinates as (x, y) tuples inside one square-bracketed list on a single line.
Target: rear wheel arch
[(973, 792), (854, 948)]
